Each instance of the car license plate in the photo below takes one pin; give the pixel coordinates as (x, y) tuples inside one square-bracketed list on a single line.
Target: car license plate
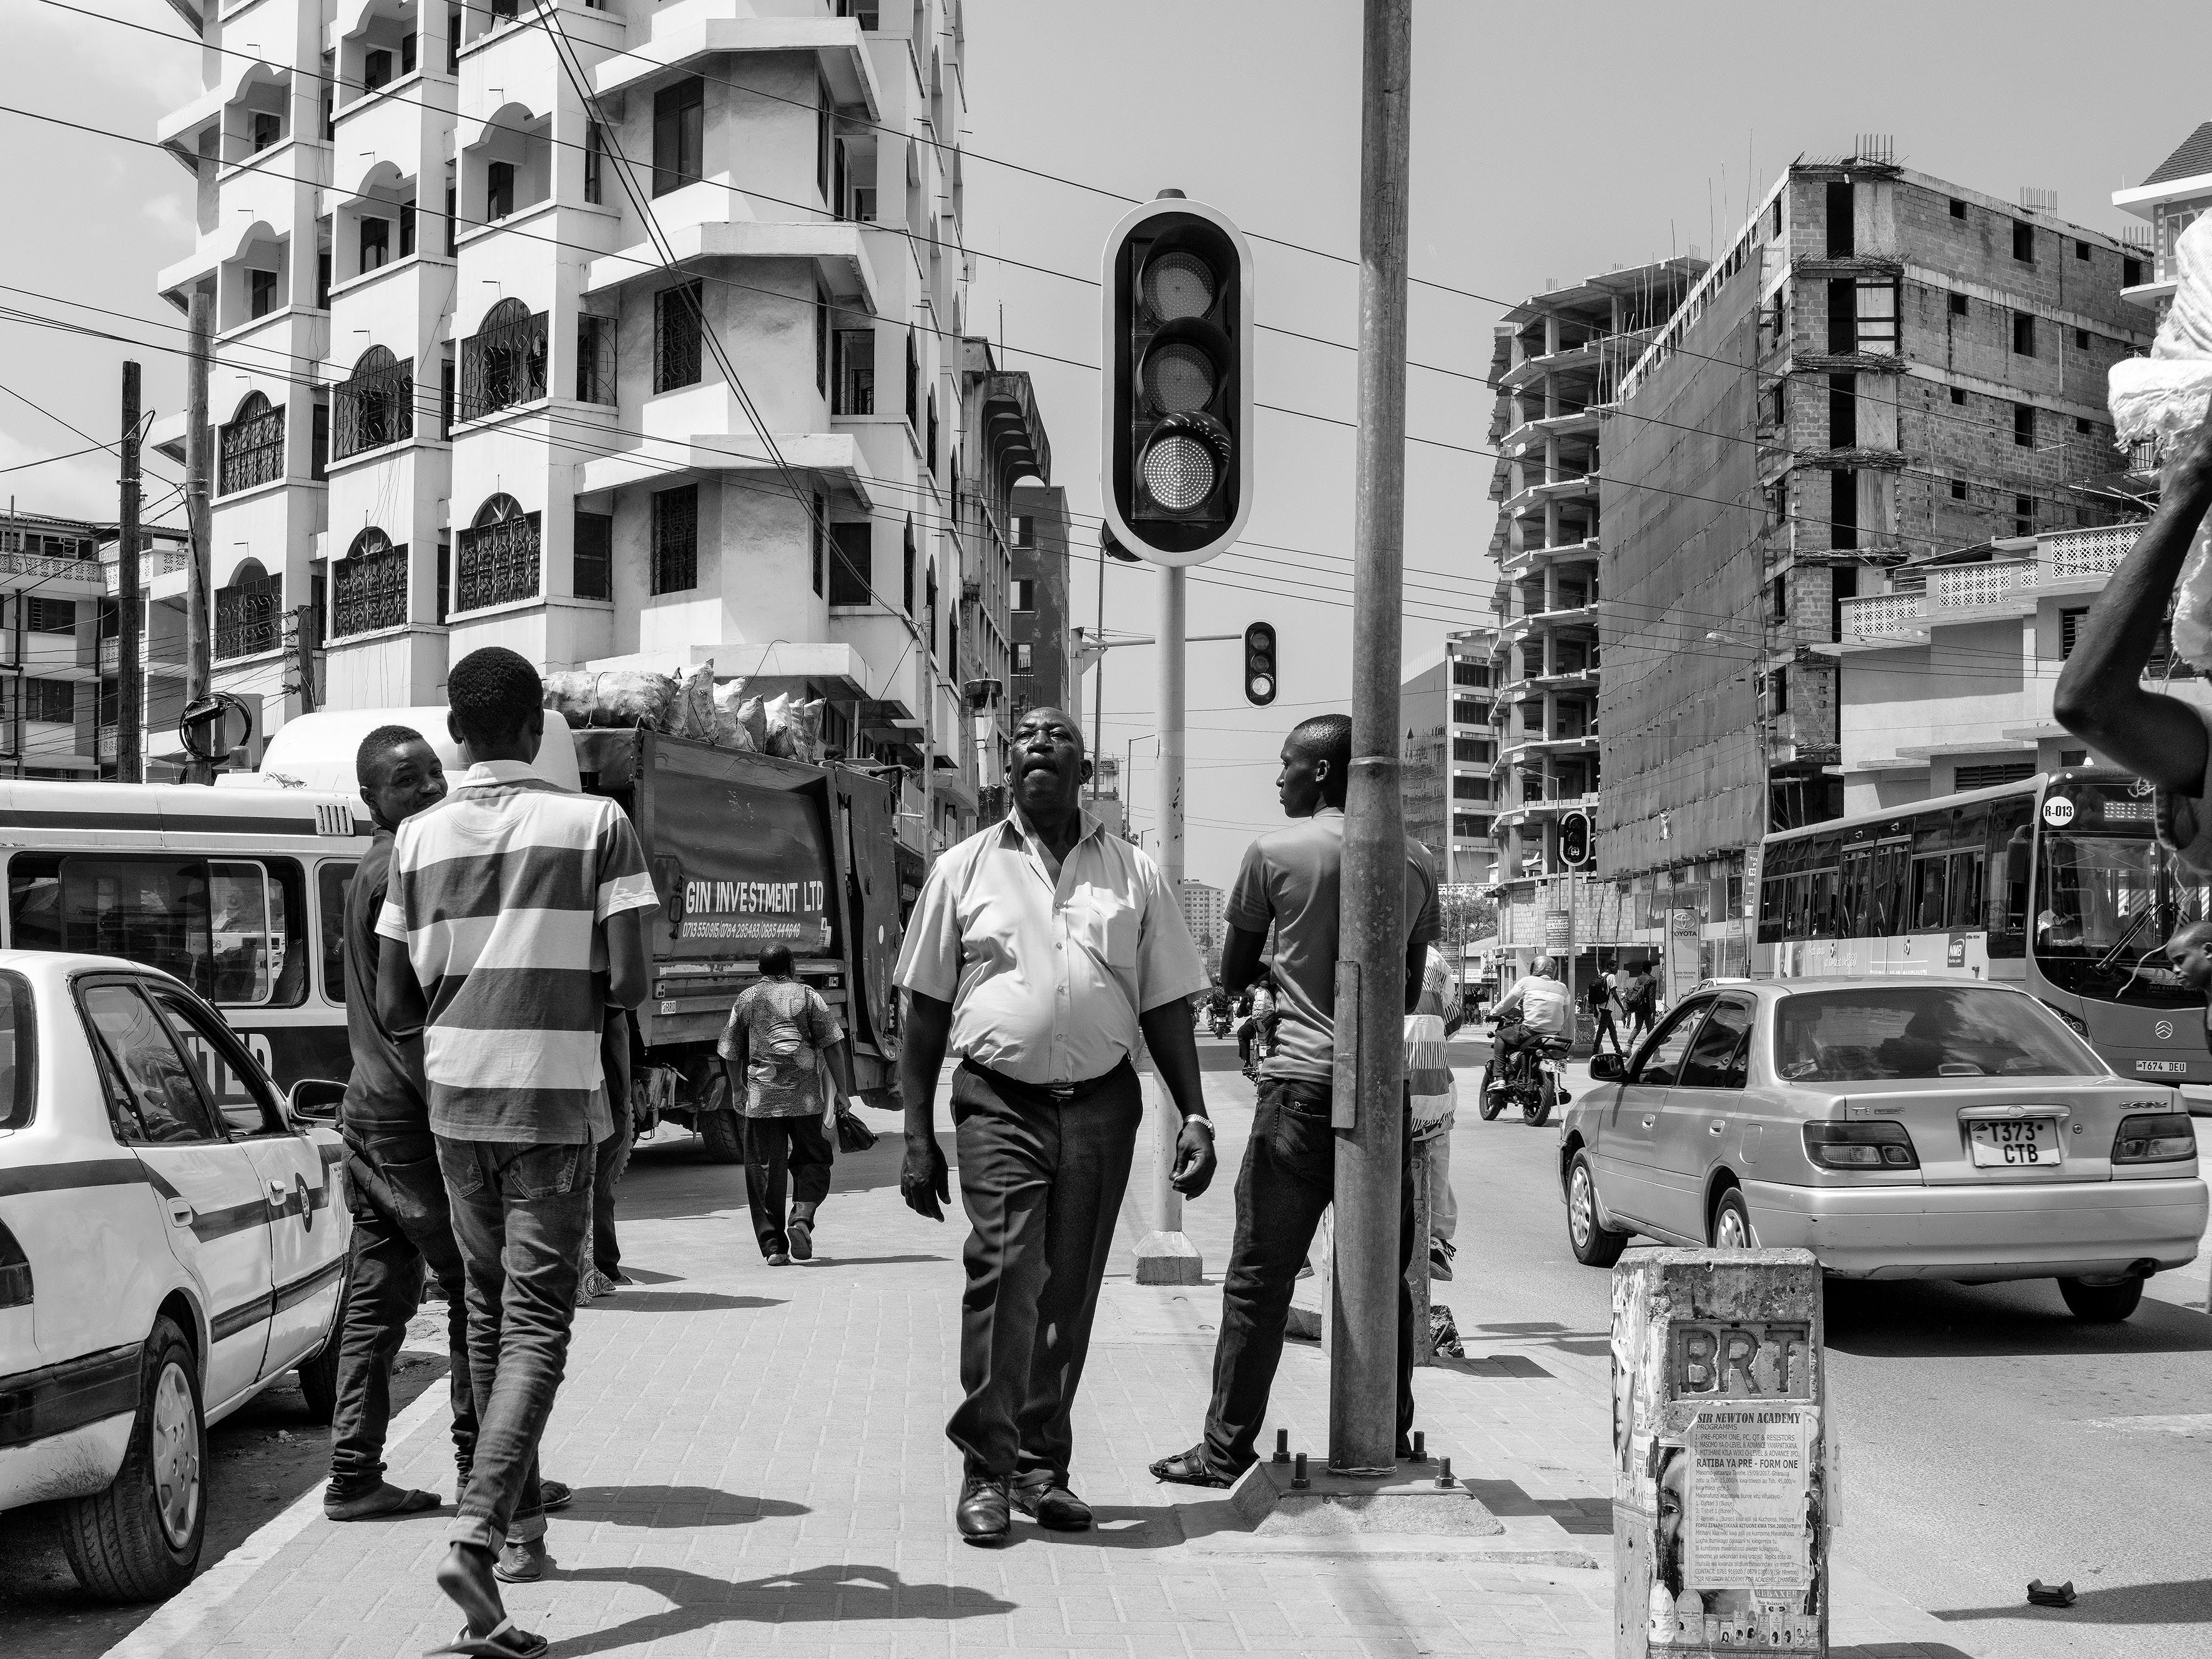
[(2163, 1067), (2016, 1141)]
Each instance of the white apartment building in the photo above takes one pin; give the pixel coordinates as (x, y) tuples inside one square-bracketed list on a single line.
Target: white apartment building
[(620, 334), (1204, 908)]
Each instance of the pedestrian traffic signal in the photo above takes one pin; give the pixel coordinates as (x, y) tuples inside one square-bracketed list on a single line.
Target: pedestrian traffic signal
[(1259, 664), (1575, 839), (1177, 470)]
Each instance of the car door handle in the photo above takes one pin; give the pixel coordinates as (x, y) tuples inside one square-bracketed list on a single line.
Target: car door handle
[(1717, 1128), (1648, 1122), (279, 1196), (180, 1212)]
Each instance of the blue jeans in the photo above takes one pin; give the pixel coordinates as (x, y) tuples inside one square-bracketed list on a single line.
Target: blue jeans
[(1288, 1178), (521, 1212), (401, 1224)]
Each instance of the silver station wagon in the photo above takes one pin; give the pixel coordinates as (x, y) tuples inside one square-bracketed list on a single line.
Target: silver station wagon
[(1896, 1129)]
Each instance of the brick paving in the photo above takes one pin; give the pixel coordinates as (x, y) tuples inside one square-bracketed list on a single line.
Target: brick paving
[(760, 1469)]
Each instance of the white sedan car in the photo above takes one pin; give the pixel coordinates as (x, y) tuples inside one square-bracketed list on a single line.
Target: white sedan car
[(1896, 1128), (171, 1243)]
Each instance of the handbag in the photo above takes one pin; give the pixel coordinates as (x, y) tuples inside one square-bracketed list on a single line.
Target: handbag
[(853, 1135)]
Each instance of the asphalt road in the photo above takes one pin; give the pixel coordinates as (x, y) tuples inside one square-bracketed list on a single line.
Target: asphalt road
[(1989, 1438)]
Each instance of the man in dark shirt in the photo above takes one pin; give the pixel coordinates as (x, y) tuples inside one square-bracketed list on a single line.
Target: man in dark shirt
[(400, 1220)]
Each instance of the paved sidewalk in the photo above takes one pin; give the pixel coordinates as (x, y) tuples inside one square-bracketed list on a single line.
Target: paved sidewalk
[(761, 1468)]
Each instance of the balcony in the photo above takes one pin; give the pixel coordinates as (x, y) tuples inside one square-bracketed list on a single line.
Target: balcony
[(249, 618), (495, 562), (2065, 562), (368, 591), (374, 407), (1532, 747), (1520, 561), (1578, 616), (503, 363)]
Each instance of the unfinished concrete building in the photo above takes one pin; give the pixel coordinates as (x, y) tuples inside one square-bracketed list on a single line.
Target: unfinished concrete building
[(1881, 367)]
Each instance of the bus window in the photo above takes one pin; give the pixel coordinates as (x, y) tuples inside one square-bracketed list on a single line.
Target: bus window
[(332, 882), (246, 952), (2011, 829), (1928, 908), (1821, 922), (1859, 876), (1891, 873), (1966, 889), (1769, 911)]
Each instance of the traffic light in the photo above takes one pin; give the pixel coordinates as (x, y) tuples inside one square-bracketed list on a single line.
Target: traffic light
[(1176, 473), (1575, 839), (1259, 664)]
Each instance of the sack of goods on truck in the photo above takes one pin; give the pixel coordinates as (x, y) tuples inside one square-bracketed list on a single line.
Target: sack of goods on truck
[(690, 706), (2164, 399)]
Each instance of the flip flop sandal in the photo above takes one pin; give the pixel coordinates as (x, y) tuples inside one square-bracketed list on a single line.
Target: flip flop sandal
[(802, 1240), (555, 1495), (502, 1641), (1189, 1468)]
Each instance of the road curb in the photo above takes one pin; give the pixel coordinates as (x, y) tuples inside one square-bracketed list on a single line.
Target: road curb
[(171, 1630)]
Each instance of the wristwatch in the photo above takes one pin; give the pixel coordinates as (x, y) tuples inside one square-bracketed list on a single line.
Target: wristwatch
[(1202, 1119)]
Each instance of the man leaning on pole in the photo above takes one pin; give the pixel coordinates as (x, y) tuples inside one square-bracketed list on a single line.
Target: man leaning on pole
[(1038, 950), (1291, 878)]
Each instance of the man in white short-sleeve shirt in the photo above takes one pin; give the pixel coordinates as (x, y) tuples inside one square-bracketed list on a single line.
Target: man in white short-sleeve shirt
[(1038, 952)]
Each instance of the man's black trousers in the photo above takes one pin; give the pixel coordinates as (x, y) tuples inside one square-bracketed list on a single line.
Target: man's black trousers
[(1288, 1178), (1041, 1176)]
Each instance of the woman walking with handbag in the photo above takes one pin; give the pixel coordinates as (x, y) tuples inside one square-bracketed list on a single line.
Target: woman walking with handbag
[(789, 1070)]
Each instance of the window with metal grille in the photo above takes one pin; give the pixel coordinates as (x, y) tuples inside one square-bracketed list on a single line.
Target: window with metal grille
[(1024, 657), (251, 448), (375, 406), (2023, 425), (677, 115), (496, 558), (595, 359), (50, 616), (2023, 334), (369, 586), (592, 567), (854, 363), (2068, 623), (852, 563), (1991, 776), (249, 613), (676, 322), (503, 362), (676, 540)]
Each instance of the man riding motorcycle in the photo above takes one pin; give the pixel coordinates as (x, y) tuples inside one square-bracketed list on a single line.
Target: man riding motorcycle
[(1547, 1012)]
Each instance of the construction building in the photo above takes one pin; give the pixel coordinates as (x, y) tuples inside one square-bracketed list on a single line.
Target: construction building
[(1557, 360), (622, 338), (1042, 667), (1879, 368), (1202, 908), (1448, 751)]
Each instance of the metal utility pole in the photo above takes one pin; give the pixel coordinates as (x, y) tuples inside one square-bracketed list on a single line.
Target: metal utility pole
[(303, 643), (129, 768), (1362, 1384), (199, 469)]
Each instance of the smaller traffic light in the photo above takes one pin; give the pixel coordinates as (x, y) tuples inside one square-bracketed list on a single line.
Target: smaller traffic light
[(1259, 664), (1575, 841)]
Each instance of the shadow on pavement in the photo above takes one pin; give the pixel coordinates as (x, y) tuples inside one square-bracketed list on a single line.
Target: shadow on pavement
[(844, 1593), (676, 1506), (826, 1259), (1896, 1320), (2185, 1601), (1900, 1650), (677, 1302)]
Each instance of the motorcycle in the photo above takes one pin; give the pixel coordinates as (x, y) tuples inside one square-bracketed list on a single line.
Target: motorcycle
[(1535, 1078), (1217, 1020)]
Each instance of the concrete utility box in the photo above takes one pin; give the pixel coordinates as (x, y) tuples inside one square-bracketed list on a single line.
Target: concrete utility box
[(1721, 1501)]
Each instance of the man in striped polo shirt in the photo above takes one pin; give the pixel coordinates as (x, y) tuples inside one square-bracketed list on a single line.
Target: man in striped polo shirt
[(516, 915)]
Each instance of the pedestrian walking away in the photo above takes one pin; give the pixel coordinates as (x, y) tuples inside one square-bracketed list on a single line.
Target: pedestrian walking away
[(516, 915), (789, 1069), (1290, 880), (602, 1273), (1639, 998), (1037, 953), (401, 1224), (1604, 1006)]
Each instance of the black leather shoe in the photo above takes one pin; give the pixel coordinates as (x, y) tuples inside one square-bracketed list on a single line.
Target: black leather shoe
[(982, 1515), (1049, 1504)]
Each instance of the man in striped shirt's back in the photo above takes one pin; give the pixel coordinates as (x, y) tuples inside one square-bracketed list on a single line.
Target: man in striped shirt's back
[(516, 916)]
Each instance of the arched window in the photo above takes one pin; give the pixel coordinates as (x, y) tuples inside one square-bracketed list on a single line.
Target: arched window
[(369, 586), (249, 612), (496, 560), (503, 362), (375, 406), (251, 448)]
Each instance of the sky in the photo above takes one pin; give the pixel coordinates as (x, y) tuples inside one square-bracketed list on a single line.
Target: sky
[(1548, 143)]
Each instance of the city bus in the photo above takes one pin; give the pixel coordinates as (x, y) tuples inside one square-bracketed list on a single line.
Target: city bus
[(2056, 883)]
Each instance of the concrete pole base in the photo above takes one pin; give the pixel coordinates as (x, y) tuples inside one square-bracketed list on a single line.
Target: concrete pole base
[(1407, 1500), (1168, 1259)]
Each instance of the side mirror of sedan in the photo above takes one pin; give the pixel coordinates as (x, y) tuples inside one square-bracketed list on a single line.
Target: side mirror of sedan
[(1607, 1068), (315, 1100)]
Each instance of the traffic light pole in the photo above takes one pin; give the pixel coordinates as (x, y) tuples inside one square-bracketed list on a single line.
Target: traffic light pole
[(1369, 1114)]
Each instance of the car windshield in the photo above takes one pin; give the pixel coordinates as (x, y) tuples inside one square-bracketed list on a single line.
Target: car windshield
[(1923, 1031), (2106, 906)]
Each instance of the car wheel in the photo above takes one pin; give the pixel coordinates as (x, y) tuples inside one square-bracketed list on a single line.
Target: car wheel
[(2101, 1303), (1595, 1244), (139, 1540), (1491, 1102), (719, 1125), (1732, 1223)]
